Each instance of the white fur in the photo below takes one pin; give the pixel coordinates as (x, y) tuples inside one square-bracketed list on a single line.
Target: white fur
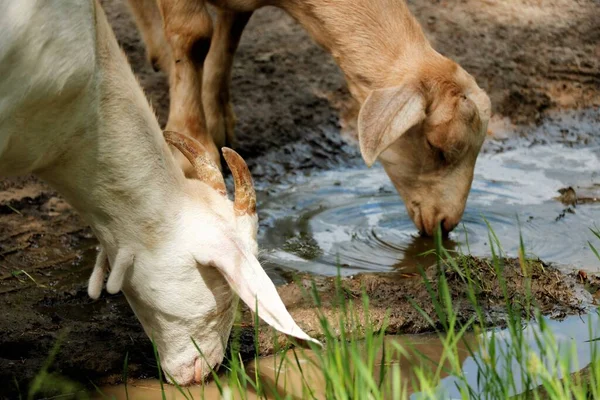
[(123, 261), (72, 113), (97, 278)]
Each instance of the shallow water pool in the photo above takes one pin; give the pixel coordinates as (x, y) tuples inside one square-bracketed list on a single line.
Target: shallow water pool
[(354, 218)]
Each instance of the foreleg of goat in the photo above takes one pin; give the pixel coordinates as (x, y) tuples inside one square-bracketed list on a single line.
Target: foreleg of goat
[(220, 118), (188, 30), (149, 22)]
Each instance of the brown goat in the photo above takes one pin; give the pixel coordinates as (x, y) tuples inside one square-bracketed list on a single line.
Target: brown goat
[(422, 115)]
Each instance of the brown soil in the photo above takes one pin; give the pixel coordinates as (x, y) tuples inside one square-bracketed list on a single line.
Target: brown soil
[(531, 56), (570, 196)]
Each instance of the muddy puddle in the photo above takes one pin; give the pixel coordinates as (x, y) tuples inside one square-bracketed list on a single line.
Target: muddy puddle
[(355, 220), (281, 373)]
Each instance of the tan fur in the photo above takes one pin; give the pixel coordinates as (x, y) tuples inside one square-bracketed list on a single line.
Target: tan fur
[(188, 31), (220, 118), (147, 16), (386, 49)]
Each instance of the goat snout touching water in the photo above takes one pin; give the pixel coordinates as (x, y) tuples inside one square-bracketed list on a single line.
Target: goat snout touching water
[(72, 113), (422, 115)]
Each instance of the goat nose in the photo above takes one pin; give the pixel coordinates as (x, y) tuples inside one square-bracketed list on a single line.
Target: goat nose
[(443, 225), (199, 370), (448, 224), (431, 226)]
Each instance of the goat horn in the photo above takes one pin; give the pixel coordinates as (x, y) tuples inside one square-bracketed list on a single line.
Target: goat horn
[(196, 153), (245, 196)]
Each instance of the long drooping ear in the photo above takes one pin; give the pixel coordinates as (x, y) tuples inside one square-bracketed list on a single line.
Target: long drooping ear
[(247, 278), (386, 115), (206, 170)]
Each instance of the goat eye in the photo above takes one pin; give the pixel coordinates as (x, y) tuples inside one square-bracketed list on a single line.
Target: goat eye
[(442, 156)]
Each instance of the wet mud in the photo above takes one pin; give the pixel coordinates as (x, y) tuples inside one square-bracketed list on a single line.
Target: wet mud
[(539, 63)]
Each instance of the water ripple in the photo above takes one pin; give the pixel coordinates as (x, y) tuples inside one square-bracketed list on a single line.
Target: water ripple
[(354, 219)]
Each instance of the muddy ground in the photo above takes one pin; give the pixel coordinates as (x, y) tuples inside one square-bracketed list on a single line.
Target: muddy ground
[(402, 303), (531, 56)]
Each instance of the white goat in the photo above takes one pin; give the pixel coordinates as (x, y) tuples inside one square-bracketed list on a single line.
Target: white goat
[(72, 113)]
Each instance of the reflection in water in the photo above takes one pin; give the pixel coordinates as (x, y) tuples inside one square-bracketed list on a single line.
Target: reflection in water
[(281, 373), (571, 339), (355, 220), (418, 254)]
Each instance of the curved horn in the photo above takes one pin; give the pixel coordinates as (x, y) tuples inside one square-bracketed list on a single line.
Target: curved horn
[(245, 196), (193, 150)]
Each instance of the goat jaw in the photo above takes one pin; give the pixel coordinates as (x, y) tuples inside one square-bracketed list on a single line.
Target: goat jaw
[(206, 170), (245, 196)]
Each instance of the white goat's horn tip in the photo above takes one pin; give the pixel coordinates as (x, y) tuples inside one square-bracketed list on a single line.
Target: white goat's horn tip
[(245, 196)]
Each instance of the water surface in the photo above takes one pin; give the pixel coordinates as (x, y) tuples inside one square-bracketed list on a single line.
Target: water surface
[(282, 371), (355, 219)]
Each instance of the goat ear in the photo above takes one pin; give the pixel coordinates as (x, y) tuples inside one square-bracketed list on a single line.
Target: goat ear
[(247, 278), (385, 116)]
